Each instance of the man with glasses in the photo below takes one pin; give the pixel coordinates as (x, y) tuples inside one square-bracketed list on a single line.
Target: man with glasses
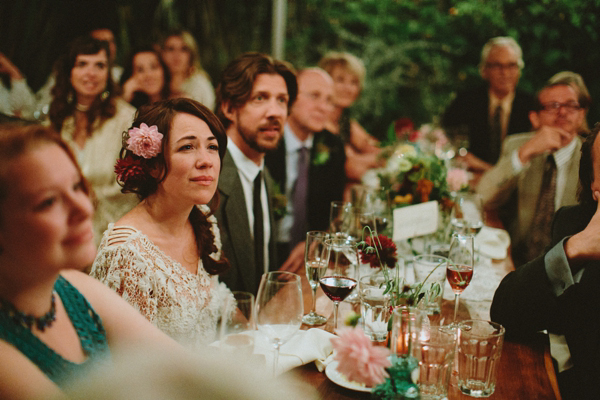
[(487, 114), (308, 166), (537, 172)]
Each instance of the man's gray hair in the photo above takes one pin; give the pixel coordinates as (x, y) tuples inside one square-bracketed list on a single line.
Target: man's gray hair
[(501, 41)]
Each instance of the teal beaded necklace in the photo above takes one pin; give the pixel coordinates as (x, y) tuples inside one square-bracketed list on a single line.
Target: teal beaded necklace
[(27, 320)]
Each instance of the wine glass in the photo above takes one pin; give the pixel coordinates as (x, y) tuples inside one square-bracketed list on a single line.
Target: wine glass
[(459, 270), (236, 330), (376, 200), (316, 259), (339, 218), (279, 308), (467, 214), (340, 278), (360, 218)]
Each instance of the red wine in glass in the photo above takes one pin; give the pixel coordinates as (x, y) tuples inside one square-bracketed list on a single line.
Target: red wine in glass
[(459, 277), (337, 288)]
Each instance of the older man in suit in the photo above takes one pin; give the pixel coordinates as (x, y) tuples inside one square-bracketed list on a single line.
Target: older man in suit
[(252, 102), (308, 166), (558, 291), (490, 112), (537, 171)]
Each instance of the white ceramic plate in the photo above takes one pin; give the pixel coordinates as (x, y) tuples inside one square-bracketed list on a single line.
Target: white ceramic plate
[(339, 379)]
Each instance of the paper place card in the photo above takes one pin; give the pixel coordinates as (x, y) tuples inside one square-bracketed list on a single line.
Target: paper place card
[(416, 220)]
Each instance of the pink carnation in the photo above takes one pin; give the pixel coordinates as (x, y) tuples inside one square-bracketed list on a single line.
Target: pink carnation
[(359, 360), (144, 141), (457, 179)]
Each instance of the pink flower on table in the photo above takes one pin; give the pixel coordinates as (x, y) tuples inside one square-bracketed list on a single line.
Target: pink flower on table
[(457, 179), (145, 141), (359, 360)]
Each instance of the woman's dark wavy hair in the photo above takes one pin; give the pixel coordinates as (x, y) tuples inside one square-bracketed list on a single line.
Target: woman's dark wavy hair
[(586, 167), (64, 96), (140, 98), (162, 114)]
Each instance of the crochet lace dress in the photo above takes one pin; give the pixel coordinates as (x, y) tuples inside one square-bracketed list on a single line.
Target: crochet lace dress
[(184, 305)]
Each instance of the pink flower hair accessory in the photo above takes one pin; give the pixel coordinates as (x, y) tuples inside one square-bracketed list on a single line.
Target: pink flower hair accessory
[(359, 360), (145, 141)]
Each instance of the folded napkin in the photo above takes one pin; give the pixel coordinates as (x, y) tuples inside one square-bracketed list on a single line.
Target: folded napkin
[(304, 347), (492, 243)]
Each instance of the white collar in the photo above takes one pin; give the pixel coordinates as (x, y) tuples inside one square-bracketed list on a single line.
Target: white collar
[(244, 165), (292, 143)]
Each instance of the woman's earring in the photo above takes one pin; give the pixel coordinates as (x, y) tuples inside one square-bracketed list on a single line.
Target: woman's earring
[(104, 95), (70, 97)]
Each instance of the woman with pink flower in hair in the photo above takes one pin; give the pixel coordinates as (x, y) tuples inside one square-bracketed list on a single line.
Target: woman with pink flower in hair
[(164, 256)]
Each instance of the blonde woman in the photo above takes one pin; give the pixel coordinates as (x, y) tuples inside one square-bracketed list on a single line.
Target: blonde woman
[(188, 79)]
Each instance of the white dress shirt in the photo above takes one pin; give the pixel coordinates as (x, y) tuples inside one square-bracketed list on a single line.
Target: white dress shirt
[(248, 170)]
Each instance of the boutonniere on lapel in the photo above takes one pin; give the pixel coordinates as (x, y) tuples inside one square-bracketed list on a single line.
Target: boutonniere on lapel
[(279, 202), (322, 153)]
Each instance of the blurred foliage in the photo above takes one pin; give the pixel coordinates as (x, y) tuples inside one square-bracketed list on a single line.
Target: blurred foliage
[(418, 53)]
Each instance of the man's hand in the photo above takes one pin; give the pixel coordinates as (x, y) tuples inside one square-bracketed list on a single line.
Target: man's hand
[(585, 245), (546, 140), (295, 261)]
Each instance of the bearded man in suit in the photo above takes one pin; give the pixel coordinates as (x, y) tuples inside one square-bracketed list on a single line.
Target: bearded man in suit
[(558, 291), (253, 99), (308, 166)]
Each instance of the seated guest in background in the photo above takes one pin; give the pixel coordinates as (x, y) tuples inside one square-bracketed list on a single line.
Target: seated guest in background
[(54, 320), (308, 166), (102, 33), (180, 52), (253, 99), (537, 172), (348, 73), (91, 118), (146, 78), (576, 81), (558, 291), (16, 98), (487, 114), (163, 256)]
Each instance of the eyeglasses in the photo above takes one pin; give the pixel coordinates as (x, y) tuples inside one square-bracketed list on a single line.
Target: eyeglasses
[(500, 66), (554, 107)]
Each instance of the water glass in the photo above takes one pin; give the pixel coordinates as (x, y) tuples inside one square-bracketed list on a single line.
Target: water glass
[(236, 331), (431, 269), (479, 349), (406, 327), (375, 306), (435, 352)]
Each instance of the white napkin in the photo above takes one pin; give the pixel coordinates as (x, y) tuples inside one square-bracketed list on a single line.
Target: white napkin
[(304, 347), (492, 242)]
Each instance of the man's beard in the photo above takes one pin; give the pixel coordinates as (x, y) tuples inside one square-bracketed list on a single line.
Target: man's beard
[(250, 137)]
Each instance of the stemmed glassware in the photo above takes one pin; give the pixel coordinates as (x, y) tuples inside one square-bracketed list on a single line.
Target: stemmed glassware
[(316, 258), (459, 270), (376, 200), (339, 218), (340, 277), (279, 308), (467, 214)]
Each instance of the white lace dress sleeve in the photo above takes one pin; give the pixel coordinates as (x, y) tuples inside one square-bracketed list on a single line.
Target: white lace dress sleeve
[(185, 306)]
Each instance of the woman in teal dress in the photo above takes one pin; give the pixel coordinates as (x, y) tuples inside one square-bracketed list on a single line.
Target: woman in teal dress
[(54, 320)]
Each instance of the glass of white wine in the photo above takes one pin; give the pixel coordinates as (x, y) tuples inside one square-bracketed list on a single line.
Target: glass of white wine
[(316, 259)]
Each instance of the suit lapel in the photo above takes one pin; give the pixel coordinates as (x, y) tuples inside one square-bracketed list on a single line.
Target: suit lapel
[(235, 221)]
